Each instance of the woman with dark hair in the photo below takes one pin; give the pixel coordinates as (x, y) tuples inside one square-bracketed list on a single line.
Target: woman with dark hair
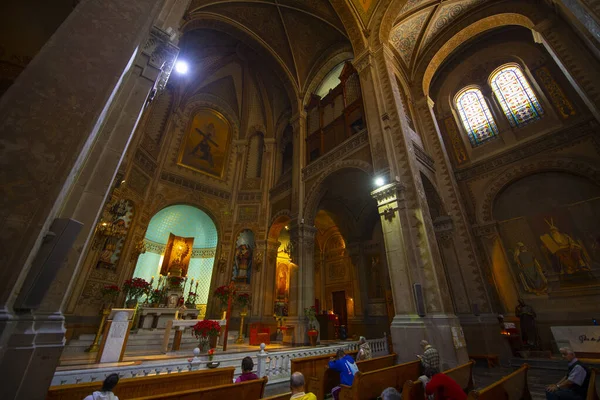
[(247, 374), (105, 392)]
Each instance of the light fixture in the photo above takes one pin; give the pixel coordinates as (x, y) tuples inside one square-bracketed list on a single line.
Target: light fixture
[(379, 181), (181, 67), (287, 228)]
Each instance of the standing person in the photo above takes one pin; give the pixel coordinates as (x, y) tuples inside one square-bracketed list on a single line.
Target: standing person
[(297, 387), (442, 387), (345, 365), (574, 386), (430, 357), (247, 374), (105, 392), (364, 350)]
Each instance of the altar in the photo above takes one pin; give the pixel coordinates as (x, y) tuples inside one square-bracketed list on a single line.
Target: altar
[(158, 317), (180, 325)]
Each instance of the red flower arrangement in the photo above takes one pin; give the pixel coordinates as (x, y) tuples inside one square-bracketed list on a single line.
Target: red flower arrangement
[(211, 353), (243, 300), (206, 328), (135, 288), (175, 281), (222, 293), (110, 291)]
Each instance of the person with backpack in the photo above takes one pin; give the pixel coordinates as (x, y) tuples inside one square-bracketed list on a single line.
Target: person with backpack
[(105, 392), (345, 365)]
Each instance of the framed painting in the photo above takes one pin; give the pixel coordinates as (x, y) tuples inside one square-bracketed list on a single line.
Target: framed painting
[(206, 143)]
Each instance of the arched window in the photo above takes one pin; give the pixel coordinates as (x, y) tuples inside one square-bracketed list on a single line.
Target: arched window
[(476, 116), (516, 97)]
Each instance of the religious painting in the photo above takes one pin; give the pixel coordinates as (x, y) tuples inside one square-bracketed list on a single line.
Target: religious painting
[(112, 232), (283, 282), (244, 249), (178, 252), (206, 143)]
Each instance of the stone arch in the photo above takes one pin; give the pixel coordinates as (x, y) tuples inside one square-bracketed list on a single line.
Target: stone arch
[(505, 177), (351, 23), (277, 223), (318, 189)]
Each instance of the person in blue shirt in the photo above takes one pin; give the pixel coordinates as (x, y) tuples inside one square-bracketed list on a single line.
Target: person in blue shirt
[(345, 365)]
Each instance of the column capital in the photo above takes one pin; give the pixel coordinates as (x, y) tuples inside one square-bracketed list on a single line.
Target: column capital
[(297, 118), (363, 61), (389, 193), (162, 54)]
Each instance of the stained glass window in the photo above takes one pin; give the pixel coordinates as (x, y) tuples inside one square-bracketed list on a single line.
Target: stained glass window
[(516, 97), (476, 116)]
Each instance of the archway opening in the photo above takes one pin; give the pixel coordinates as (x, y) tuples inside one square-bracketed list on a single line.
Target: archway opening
[(192, 224)]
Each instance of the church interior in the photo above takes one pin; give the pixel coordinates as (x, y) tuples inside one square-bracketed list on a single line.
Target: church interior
[(278, 178)]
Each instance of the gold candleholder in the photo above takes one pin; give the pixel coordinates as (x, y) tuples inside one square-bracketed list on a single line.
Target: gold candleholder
[(240, 339), (94, 347)]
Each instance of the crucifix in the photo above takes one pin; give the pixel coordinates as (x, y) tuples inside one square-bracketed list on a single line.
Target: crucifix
[(228, 316)]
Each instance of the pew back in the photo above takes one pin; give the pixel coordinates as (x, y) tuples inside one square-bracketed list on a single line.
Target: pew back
[(592, 393), (511, 387), (248, 390), (315, 365), (148, 385), (463, 375), (369, 385), (283, 396), (321, 385)]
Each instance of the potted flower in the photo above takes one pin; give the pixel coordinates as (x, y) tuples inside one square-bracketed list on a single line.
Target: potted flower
[(110, 293), (156, 297), (210, 363), (175, 281), (222, 293), (190, 302), (134, 289), (311, 313), (207, 331)]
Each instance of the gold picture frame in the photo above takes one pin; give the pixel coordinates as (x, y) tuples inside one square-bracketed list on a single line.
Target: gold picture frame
[(205, 145)]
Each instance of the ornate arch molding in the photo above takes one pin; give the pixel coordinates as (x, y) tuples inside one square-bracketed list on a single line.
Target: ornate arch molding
[(318, 189), (507, 176), (206, 100), (524, 13), (351, 23), (384, 18), (275, 225)]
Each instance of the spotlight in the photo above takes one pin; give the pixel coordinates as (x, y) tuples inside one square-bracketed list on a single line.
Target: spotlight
[(379, 182), (181, 67)]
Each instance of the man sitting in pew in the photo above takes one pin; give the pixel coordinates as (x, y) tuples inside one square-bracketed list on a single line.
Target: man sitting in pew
[(575, 384), (297, 387), (345, 365), (442, 387)]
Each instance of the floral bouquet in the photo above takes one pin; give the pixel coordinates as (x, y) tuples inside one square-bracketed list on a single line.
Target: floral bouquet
[(243, 300), (156, 296), (310, 313), (191, 299), (135, 288), (222, 293), (206, 328), (175, 281), (110, 292), (211, 354)]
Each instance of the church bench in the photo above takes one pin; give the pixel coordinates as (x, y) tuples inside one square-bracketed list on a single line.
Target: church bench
[(463, 375), (283, 396), (321, 385), (592, 393), (491, 359), (314, 366), (147, 385), (248, 390), (511, 387), (369, 385)]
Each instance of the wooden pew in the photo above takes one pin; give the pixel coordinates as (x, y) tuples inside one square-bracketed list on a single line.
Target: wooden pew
[(592, 393), (511, 387), (491, 359), (148, 385), (248, 390), (321, 385), (314, 366), (369, 385), (463, 375), (283, 396)]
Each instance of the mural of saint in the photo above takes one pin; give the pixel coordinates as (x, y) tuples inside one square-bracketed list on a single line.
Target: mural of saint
[(568, 255), (530, 272), (282, 282)]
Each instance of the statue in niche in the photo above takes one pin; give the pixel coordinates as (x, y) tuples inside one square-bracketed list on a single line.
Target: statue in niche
[(530, 272), (568, 255), (527, 317), (282, 282), (243, 264)]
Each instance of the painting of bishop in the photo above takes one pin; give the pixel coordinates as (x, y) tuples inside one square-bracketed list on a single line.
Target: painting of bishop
[(568, 255)]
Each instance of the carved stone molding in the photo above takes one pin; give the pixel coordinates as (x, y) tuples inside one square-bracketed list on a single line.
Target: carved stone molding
[(162, 55), (389, 193), (444, 227), (363, 61), (197, 186), (486, 230), (145, 162), (423, 157), (351, 145)]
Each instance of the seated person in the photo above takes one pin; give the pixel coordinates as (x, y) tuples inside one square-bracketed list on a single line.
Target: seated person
[(247, 374), (105, 392), (390, 394), (345, 365), (297, 387), (442, 387), (574, 385), (364, 350)]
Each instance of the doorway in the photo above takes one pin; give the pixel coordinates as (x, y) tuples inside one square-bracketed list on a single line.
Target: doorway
[(339, 307)]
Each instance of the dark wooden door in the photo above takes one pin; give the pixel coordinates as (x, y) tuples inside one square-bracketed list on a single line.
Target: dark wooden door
[(339, 307)]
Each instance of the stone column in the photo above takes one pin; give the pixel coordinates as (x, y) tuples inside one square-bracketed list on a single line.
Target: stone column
[(51, 120), (587, 16), (302, 285), (298, 123), (261, 289)]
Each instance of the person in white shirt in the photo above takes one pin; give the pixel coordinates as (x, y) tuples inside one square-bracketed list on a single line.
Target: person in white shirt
[(106, 392), (574, 385)]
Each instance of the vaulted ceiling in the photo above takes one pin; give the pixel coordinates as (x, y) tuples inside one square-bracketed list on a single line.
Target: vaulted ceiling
[(421, 21), (299, 34)]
